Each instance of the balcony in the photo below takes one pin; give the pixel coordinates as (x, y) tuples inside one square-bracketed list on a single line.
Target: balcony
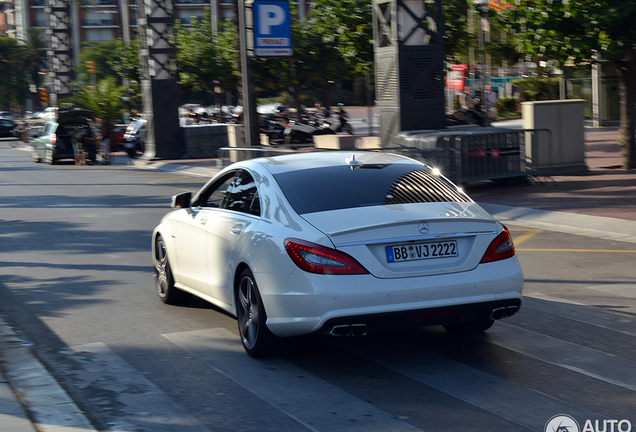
[(191, 2), (100, 23), (98, 3)]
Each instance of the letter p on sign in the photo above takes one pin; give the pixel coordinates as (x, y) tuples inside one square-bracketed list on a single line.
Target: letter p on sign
[(270, 15)]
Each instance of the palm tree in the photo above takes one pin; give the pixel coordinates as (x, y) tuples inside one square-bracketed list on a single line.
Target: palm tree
[(104, 99)]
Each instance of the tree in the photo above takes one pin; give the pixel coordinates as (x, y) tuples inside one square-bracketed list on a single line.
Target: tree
[(574, 32), (34, 58), (340, 35), (104, 99), (206, 62), (13, 83), (106, 56)]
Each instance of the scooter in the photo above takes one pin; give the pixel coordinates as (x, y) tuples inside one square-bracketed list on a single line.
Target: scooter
[(134, 137)]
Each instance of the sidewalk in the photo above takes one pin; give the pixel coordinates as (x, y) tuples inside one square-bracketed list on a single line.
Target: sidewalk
[(599, 203)]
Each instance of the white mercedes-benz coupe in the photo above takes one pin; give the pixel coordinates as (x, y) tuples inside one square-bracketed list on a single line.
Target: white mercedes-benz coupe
[(336, 243)]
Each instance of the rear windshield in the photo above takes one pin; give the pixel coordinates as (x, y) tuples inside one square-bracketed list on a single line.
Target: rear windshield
[(340, 187)]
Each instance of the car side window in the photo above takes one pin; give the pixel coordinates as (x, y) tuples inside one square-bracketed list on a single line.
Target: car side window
[(242, 194), (214, 195)]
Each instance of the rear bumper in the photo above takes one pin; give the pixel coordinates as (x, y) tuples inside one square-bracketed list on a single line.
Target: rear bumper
[(302, 303), (411, 319)]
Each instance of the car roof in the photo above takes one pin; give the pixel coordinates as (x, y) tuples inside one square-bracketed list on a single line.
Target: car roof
[(309, 160)]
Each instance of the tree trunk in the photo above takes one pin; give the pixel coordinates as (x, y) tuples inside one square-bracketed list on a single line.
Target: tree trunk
[(628, 109)]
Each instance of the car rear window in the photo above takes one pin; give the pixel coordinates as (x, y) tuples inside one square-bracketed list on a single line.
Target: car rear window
[(340, 187)]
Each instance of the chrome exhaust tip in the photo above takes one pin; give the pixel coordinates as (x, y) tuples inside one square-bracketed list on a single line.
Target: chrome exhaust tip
[(358, 330), (340, 330), (498, 313), (349, 330), (503, 312)]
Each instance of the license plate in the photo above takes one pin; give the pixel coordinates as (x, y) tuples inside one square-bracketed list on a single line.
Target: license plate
[(422, 251)]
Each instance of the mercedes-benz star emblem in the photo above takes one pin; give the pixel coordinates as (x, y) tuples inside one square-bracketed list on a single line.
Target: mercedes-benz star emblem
[(423, 227)]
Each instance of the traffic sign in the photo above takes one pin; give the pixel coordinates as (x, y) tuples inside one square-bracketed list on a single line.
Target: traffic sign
[(272, 28)]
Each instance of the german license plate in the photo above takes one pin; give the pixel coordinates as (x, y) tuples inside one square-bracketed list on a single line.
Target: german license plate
[(422, 251)]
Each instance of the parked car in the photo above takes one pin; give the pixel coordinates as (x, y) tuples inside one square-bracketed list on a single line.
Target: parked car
[(7, 128), (55, 139), (335, 243), (118, 141)]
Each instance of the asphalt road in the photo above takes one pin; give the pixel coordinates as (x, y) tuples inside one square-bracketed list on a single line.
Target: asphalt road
[(76, 282)]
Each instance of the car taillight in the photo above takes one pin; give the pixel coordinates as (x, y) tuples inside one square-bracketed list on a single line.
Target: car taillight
[(314, 258), (53, 138), (500, 248)]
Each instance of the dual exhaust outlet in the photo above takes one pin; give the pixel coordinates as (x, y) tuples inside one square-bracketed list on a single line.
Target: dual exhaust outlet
[(503, 312), (361, 329)]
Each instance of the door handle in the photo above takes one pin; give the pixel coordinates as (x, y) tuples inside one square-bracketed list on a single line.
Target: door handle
[(203, 221), (237, 229)]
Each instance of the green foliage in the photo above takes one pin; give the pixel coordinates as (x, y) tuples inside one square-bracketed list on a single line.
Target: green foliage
[(105, 99), (34, 55), (104, 54), (201, 59), (13, 81), (345, 26), (508, 107), (537, 89)]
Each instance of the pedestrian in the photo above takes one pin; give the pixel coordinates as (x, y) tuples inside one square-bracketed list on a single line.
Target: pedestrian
[(467, 103), (103, 137), (491, 103)]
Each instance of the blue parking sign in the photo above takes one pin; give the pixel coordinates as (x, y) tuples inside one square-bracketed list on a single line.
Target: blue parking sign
[(272, 28)]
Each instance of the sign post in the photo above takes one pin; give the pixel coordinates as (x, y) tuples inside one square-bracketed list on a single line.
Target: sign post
[(270, 25)]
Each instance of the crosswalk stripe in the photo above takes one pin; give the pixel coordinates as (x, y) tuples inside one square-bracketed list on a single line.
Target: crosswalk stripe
[(299, 394), (513, 402), (576, 311), (621, 289), (135, 394), (596, 364)]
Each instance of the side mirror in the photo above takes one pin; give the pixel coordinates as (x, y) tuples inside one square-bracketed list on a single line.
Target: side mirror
[(181, 200)]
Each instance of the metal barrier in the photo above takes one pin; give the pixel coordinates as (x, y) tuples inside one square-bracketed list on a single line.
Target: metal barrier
[(462, 155), (204, 141), (466, 155)]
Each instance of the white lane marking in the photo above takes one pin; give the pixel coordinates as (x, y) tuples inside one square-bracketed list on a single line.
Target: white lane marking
[(620, 289), (513, 402), (141, 400), (581, 312), (596, 364), (297, 393)]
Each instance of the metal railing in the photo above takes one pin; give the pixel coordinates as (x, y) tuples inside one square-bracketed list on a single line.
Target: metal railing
[(481, 154), (462, 155)]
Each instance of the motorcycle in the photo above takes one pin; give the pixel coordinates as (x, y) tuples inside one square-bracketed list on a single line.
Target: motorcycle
[(339, 123), (281, 129), (135, 137)]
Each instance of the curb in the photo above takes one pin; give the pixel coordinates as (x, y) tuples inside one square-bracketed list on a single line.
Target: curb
[(30, 398)]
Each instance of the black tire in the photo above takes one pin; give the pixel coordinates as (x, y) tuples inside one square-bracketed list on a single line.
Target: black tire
[(471, 327), (164, 281), (132, 152), (257, 340)]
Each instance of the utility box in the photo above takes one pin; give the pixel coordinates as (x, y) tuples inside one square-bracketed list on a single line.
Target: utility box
[(564, 152)]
